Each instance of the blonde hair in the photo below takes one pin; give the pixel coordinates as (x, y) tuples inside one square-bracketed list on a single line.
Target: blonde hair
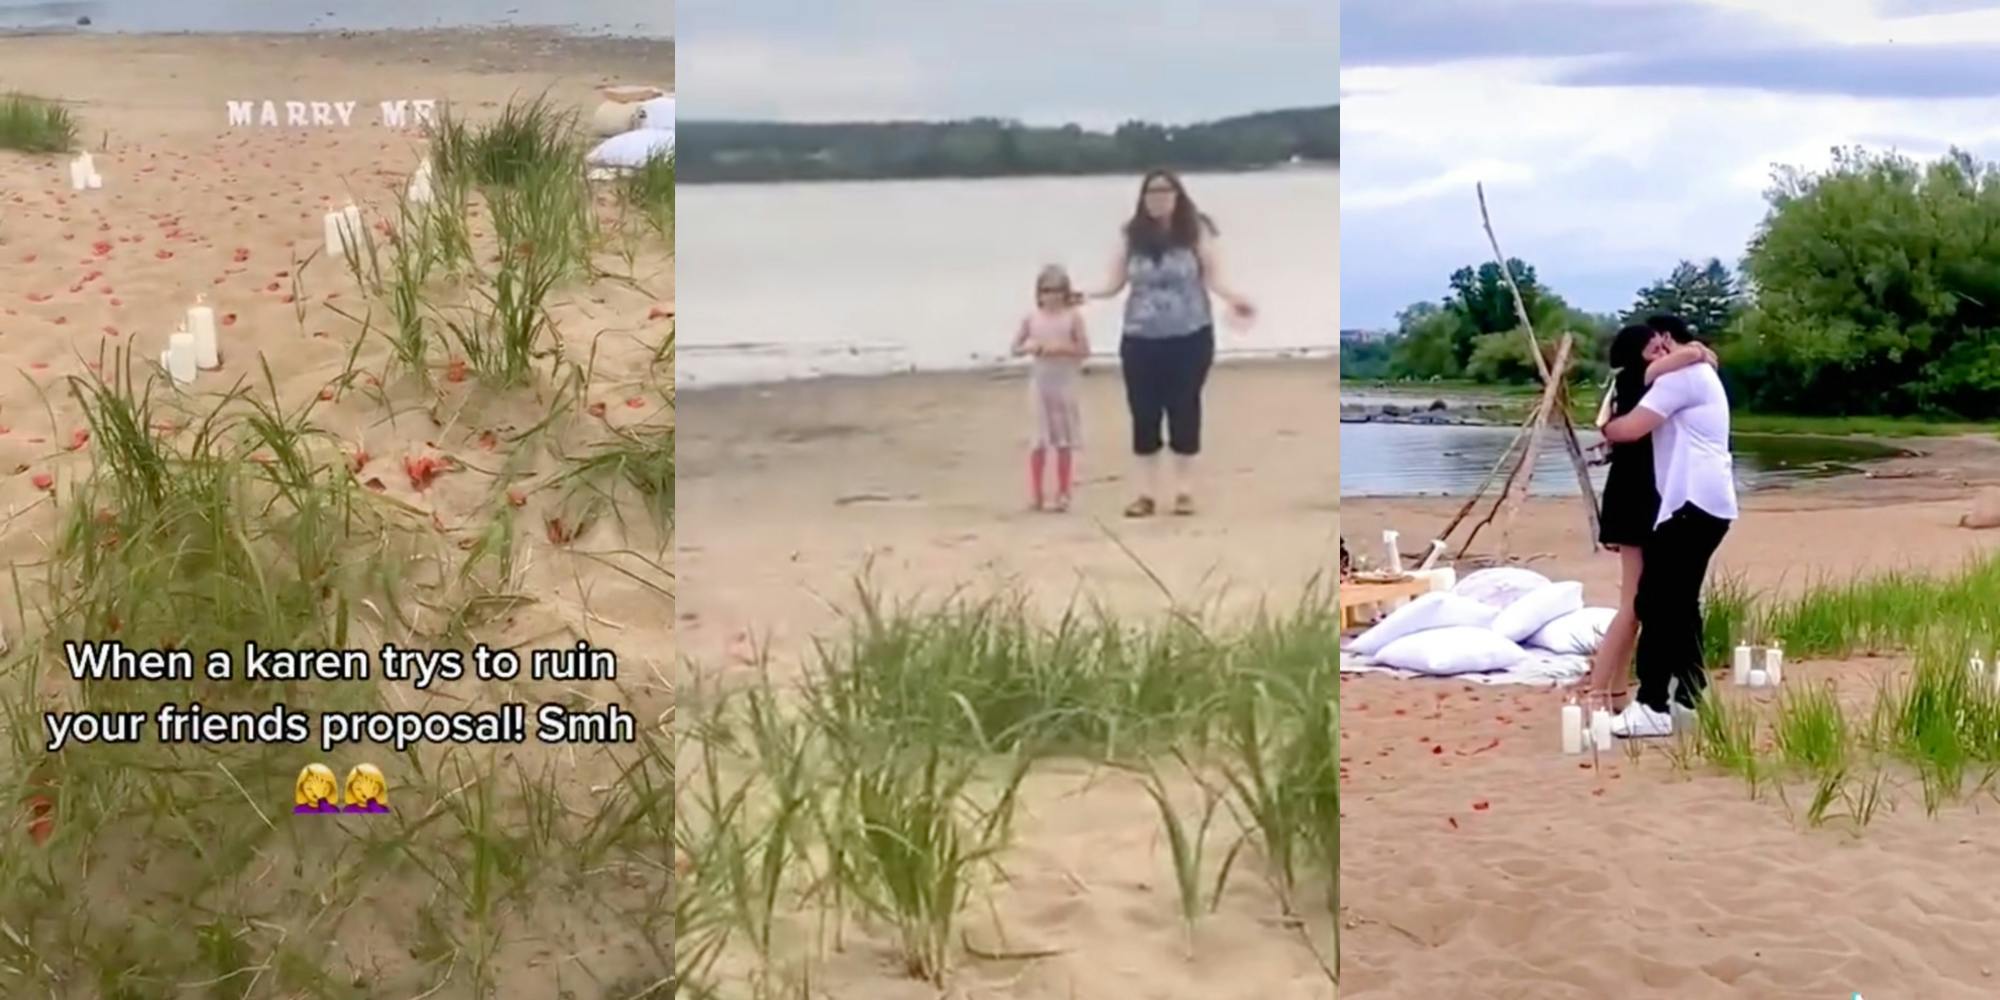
[(315, 785), (365, 783), (1050, 275)]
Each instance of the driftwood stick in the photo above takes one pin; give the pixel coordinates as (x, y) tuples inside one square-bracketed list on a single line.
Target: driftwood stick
[(1551, 394), (1524, 461)]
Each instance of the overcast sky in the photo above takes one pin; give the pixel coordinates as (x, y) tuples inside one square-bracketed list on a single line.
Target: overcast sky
[(1094, 62), (1618, 136)]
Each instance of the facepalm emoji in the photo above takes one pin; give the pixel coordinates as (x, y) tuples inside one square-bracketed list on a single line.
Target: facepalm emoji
[(367, 790), (315, 791)]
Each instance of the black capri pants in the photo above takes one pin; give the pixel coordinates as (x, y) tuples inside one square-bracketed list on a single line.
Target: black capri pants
[(1164, 377)]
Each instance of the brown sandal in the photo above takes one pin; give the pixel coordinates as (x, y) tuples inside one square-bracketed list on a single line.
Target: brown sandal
[(1142, 507)]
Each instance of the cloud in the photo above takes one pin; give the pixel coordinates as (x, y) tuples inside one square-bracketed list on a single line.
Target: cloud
[(1095, 62), (1400, 33), (1887, 70)]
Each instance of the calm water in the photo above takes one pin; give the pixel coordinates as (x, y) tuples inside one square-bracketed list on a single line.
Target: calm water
[(785, 281), (636, 18), (1419, 460)]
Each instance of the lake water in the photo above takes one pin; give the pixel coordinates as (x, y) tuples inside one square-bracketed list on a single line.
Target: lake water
[(784, 281), (632, 18), (1387, 460)]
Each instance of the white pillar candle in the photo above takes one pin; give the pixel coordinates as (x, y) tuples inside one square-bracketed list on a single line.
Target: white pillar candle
[(96, 181), (1572, 720), (1600, 729), (1395, 554), (1774, 664), (333, 225), (1739, 668), (351, 217), (78, 180), (201, 323), (180, 357)]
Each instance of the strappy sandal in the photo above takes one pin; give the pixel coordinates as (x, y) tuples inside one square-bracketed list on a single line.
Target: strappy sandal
[(1183, 505), (1142, 507)]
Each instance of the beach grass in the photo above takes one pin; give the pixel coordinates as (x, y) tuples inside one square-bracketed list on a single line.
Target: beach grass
[(31, 124), (1938, 722), (203, 523), (880, 794), (649, 190)]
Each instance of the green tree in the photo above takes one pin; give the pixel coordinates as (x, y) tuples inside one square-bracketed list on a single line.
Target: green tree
[(1426, 344), (1480, 295), (1705, 295), (1877, 290)]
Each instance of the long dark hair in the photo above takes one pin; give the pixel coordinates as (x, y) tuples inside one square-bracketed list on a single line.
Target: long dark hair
[(1628, 360), (1184, 229)]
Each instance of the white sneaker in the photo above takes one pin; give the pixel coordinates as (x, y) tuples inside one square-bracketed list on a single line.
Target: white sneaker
[(1639, 722)]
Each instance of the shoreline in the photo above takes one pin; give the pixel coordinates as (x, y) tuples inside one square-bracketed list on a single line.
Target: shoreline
[(999, 371)]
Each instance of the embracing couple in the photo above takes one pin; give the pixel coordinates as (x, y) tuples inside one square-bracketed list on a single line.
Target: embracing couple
[(1669, 500)]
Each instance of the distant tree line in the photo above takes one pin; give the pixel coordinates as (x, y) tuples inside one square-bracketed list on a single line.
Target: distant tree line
[(991, 147), (1870, 288)]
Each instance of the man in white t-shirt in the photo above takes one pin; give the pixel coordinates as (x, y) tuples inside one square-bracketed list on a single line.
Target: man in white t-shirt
[(1687, 414)]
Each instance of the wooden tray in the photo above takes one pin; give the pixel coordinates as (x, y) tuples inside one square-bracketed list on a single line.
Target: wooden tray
[(1358, 598)]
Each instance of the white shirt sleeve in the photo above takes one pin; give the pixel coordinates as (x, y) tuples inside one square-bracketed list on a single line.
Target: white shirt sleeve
[(1669, 395)]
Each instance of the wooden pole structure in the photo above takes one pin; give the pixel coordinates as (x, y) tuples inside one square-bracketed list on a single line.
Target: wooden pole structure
[(1558, 384)]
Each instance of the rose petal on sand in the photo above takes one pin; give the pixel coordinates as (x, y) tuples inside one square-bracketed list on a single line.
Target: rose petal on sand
[(1481, 806), (635, 402), (455, 372), (78, 438), (228, 319), (163, 254), (517, 498), (597, 409), (43, 480)]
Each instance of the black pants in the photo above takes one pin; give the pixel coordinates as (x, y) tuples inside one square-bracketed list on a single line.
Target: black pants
[(1163, 380), (1669, 605)]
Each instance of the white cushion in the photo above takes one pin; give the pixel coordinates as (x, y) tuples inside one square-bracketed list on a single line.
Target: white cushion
[(1458, 649), (1529, 613), (1500, 586), (1578, 633), (633, 148), (1436, 610), (657, 113)]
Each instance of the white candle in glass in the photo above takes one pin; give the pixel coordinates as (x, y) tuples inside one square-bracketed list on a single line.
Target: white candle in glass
[(1600, 729), (78, 180), (96, 181), (1395, 554), (1774, 664), (351, 217), (201, 323), (1757, 678), (1572, 721), (180, 357)]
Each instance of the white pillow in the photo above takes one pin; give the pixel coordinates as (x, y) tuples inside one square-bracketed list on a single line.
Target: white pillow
[(657, 113), (1500, 586), (1578, 633), (1458, 649), (633, 148), (1437, 610), (1528, 614)]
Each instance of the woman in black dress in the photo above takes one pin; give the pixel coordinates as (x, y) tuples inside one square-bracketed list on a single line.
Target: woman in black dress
[(1631, 500)]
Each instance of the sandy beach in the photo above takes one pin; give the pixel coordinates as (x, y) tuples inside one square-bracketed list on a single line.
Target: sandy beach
[(788, 491), (1482, 862), (192, 206)]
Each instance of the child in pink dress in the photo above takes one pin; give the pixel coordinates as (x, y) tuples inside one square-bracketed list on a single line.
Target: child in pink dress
[(1053, 335)]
